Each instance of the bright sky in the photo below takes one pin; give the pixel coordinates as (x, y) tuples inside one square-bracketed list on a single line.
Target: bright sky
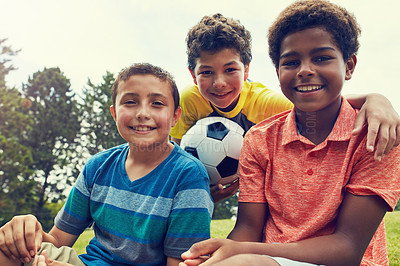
[(87, 38)]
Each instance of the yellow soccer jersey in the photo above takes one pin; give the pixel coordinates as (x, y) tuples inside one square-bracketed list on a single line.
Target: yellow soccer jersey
[(256, 103)]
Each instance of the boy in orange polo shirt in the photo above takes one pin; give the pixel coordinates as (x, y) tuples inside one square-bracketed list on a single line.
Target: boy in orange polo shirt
[(219, 57), (312, 193)]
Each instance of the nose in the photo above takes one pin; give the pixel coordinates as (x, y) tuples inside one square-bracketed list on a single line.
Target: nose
[(143, 112), (305, 70), (219, 82)]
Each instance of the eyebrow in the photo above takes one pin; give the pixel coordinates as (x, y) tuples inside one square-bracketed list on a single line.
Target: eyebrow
[(313, 51), (148, 95), (227, 64)]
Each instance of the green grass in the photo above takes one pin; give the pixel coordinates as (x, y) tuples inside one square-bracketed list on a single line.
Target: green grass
[(221, 229), (392, 222)]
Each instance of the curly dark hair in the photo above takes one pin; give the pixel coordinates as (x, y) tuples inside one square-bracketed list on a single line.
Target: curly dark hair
[(214, 33), (302, 15), (143, 69)]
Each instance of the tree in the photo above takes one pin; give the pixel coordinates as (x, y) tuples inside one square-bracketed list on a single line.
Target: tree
[(52, 139), (227, 208), (99, 127), (16, 186), (5, 52)]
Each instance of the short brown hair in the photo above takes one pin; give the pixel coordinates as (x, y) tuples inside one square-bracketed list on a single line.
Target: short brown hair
[(142, 69), (302, 15), (214, 33)]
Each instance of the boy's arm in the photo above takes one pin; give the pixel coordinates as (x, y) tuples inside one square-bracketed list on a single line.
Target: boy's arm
[(250, 222), (358, 220), (23, 235), (383, 122)]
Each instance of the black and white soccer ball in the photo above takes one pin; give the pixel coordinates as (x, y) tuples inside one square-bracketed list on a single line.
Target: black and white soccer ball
[(216, 142)]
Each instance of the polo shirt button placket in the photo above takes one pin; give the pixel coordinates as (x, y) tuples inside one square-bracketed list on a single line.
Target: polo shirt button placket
[(310, 172)]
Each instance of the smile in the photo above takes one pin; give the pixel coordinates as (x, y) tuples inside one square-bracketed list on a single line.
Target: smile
[(220, 94), (143, 128), (308, 88)]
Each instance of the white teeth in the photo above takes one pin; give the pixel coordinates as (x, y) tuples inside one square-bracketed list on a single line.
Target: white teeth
[(142, 128), (309, 88), (221, 94)]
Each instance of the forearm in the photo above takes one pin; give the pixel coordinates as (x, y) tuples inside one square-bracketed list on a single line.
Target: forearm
[(356, 100), (245, 233), (60, 238), (324, 250), (250, 222)]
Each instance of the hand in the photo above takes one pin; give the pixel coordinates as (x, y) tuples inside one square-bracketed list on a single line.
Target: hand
[(40, 260), (383, 125), (21, 238), (219, 193), (211, 251)]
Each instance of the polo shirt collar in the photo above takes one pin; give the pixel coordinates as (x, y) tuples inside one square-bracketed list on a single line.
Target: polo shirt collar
[(341, 130)]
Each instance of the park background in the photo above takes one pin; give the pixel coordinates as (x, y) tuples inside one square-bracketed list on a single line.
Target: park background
[(80, 46)]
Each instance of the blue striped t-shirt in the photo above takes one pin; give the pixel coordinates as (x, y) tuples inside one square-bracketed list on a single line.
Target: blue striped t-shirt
[(140, 222)]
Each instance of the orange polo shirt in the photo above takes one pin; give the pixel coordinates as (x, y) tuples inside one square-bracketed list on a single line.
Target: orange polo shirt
[(304, 184)]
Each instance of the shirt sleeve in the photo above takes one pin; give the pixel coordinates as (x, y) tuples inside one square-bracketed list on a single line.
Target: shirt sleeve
[(370, 177), (74, 217), (190, 218), (252, 170)]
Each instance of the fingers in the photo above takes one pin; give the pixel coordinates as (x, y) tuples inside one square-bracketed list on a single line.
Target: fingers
[(373, 129), (7, 242), (216, 188), (386, 139), (33, 235), (39, 260), (18, 237), (359, 122), (203, 248), (193, 262), (397, 142), (381, 142)]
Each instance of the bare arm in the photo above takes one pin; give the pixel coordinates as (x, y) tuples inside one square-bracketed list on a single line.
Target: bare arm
[(250, 222), (358, 220), (382, 119)]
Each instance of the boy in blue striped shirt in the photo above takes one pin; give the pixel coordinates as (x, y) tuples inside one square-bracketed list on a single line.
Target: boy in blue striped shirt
[(148, 200)]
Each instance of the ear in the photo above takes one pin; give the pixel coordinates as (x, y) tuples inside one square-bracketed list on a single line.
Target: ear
[(113, 112), (350, 66), (176, 117), (193, 76), (246, 71)]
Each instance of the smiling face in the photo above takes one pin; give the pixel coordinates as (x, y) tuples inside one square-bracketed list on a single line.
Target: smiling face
[(312, 70), (144, 111), (220, 77)]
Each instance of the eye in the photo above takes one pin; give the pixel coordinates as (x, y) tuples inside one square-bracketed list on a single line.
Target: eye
[(129, 102), (206, 72), (158, 103), (231, 69), (322, 58), (290, 63)]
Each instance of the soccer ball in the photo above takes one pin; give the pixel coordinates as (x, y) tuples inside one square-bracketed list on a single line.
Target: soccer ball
[(216, 142)]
